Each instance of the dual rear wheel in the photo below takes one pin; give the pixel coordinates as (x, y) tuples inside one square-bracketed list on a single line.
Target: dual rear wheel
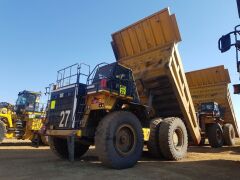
[(168, 139), (220, 135)]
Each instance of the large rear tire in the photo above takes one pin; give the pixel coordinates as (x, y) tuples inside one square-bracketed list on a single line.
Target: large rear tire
[(228, 135), (59, 147), (173, 138), (119, 140), (215, 135), (3, 131), (153, 142)]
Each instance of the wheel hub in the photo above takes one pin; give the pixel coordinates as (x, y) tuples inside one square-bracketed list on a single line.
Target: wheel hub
[(125, 140), (178, 139)]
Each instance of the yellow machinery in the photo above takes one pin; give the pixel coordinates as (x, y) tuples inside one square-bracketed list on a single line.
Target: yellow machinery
[(24, 120), (144, 96), (210, 94)]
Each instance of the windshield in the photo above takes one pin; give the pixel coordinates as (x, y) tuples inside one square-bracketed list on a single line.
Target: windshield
[(104, 72), (112, 71), (26, 99), (207, 107), (29, 101), (5, 105)]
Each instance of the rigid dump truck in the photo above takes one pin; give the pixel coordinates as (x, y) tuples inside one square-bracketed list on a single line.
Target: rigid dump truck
[(24, 120), (211, 97), (143, 97)]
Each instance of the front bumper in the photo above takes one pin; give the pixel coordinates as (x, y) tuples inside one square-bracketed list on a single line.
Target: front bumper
[(63, 133)]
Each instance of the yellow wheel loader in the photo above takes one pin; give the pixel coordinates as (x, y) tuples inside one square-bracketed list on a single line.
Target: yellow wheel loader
[(24, 120)]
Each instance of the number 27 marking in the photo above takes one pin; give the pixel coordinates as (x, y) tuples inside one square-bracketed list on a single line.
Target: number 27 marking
[(63, 115)]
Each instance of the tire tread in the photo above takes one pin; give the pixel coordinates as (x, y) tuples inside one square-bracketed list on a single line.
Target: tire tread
[(165, 138)]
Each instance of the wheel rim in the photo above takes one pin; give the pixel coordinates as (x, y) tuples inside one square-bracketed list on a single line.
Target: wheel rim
[(125, 140), (178, 139)]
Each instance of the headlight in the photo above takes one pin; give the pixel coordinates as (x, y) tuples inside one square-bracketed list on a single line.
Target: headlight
[(31, 116), (4, 111)]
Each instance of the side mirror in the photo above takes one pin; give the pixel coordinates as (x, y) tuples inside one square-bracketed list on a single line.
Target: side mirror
[(236, 88), (238, 5), (238, 66), (224, 43), (46, 90), (42, 108)]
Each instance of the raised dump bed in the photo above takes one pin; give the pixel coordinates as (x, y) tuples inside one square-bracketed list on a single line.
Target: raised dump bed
[(211, 85), (149, 48)]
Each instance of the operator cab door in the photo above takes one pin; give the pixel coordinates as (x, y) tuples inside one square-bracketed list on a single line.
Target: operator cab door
[(121, 83), (124, 82)]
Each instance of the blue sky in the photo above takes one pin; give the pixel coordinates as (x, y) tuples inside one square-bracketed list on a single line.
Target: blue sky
[(39, 37)]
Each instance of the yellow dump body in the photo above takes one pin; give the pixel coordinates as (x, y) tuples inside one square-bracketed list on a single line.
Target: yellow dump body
[(211, 85), (149, 48)]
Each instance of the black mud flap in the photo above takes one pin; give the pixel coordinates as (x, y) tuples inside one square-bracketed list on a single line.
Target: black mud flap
[(71, 148), (36, 140)]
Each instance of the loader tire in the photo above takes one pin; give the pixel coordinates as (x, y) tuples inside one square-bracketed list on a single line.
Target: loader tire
[(153, 142), (45, 140), (119, 140), (3, 131), (59, 147), (228, 135), (173, 138), (215, 135)]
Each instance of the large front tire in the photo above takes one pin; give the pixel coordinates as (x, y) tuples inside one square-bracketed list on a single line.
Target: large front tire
[(60, 148), (215, 135), (119, 140), (173, 138), (3, 131)]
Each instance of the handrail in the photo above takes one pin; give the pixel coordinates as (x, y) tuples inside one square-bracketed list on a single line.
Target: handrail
[(68, 74), (94, 71), (68, 67)]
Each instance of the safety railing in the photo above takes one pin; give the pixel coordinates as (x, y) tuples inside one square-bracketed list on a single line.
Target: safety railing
[(76, 73)]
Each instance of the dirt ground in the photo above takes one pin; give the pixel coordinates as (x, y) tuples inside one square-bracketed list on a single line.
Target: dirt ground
[(18, 160)]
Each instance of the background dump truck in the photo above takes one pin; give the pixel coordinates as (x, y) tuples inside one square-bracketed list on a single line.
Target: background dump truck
[(210, 94), (143, 96)]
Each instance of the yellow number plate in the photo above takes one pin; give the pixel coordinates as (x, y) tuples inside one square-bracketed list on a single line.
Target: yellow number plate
[(123, 90), (37, 124)]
